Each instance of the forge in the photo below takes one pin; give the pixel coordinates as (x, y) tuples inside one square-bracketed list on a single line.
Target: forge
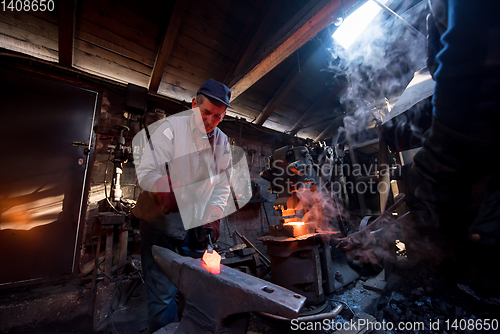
[(299, 246)]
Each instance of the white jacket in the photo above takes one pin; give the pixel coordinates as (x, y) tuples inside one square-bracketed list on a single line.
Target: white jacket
[(200, 172)]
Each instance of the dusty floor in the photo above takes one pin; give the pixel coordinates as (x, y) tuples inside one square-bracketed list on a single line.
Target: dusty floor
[(126, 314), (404, 296)]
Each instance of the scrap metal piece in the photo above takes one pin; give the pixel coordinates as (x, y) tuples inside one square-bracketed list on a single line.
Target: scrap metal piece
[(221, 303), (411, 116), (420, 88)]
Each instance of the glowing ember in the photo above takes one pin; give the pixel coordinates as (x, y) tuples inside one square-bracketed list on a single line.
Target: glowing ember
[(294, 223), (212, 260)]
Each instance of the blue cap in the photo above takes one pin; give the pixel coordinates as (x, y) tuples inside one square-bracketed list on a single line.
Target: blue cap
[(215, 90)]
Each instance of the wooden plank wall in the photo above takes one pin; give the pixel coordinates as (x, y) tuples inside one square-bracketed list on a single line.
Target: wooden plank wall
[(119, 40), (31, 33), (115, 41), (110, 40)]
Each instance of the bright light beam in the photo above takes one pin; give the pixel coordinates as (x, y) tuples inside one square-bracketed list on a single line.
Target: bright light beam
[(356, 23)]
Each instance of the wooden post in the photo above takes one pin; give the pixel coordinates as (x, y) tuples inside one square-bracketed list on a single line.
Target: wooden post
[(93, 288), (122, 257), (384, 177), (166, 46), (67, 15), (108, 257)]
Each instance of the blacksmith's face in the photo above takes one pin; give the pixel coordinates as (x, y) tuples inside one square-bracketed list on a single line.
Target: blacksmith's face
[(211, 114)]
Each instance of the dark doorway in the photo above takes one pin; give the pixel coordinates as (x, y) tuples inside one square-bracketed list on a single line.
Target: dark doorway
[(42, 174)]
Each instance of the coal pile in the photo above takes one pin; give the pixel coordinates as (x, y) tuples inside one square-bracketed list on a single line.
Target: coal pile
[(436, 305)]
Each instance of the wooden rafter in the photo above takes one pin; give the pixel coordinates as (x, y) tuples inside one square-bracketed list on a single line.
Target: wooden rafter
[(320, 16), (245, 64), (334, 124), (166, 46), (265, 20), (280, 94), (284, 89), (67, 19), (324, 97)]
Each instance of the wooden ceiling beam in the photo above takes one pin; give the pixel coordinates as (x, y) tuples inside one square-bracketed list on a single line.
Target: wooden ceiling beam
[(284, 89), (330, 129), (245, 64), (67, 19), (166, 46), (322, 99), (280, 94), (254, 38), (320, 16)]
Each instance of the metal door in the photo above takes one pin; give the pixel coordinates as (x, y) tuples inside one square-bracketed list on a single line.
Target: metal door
[(42, 174)]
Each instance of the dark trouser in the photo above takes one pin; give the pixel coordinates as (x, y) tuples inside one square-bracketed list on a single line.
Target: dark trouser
[(162, 308)]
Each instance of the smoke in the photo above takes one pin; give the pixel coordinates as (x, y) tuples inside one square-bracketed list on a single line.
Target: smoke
[(424, 239), (377, 246), (322, 210), (378, 66), (419, 231)]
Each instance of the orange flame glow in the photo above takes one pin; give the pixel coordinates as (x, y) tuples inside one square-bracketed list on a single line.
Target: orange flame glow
[(212, 260)]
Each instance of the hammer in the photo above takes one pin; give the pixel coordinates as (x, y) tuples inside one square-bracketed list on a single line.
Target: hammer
[(221, 303)]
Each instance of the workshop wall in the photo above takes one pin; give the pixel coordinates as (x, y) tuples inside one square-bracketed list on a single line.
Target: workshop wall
[(253, 219)]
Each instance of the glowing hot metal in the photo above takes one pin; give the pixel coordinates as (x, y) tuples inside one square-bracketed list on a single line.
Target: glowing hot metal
[(294, 223), (212, 260)]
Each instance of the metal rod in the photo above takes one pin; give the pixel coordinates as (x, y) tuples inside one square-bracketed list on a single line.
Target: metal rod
[(355, 240), (265, 211), (249, 244), (317, 317), (328, 232), (406, 24), (390, 210)]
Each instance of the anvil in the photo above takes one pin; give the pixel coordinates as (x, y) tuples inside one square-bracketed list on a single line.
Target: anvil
[(222, 303)]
